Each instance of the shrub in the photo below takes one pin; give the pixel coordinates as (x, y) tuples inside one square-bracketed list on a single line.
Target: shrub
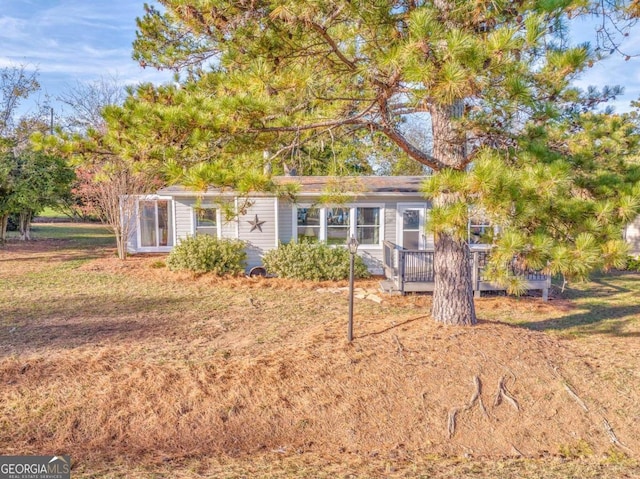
[(204, 254), (313, 261), (633, 264), (13, 222)]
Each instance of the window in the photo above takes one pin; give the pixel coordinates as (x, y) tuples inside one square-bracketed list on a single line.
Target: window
[(411, 229), (478, 229), (206, 221), (154, 218), (308, 225), (368, 226), (336, 225), (338, 230)]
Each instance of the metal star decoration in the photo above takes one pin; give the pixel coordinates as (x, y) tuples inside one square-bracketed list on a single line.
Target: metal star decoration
[(256, 224)]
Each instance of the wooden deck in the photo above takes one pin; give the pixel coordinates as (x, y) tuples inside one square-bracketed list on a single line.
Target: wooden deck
[(412, 271)]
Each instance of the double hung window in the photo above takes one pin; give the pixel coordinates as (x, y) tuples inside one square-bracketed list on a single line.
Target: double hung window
[(335, 225), (206, 221)]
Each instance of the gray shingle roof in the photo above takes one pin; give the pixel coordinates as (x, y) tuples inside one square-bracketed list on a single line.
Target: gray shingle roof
[(320, 184)]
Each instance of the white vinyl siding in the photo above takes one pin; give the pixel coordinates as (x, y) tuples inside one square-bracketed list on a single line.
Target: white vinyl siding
[(258, 242), (184, 218), (632, 236)]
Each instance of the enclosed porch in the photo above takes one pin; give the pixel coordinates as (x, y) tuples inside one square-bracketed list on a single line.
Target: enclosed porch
[(408, 270)]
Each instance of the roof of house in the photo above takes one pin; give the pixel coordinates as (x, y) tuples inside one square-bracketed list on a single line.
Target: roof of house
[(316, 185), (356, 184)]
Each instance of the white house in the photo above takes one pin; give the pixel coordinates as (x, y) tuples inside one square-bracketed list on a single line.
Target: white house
[(387, 215), (382, 208)]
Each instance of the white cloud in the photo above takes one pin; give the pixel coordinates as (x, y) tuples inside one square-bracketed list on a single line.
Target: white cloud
[(73, 40), (81, 40)]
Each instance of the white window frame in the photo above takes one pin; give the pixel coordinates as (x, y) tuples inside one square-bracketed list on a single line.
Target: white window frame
[(424, 240), (352, 207), (323, 223), (482, 222), (194, 218), (172, 227)]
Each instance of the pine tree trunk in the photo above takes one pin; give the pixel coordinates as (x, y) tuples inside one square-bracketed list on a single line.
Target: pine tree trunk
[(453, 291)]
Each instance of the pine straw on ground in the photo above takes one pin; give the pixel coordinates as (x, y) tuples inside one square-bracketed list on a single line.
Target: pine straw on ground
[(127, 363)]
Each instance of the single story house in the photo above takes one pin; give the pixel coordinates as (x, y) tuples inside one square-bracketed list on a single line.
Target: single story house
[(377, 208), (386, 214)]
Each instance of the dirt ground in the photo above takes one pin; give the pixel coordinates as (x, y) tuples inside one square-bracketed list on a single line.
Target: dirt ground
[(129, 362)]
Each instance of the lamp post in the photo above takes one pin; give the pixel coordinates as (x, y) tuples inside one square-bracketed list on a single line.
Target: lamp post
[(352, 244)]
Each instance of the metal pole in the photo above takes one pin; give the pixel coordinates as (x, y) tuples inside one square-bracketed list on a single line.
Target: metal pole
[(350, 329), (51, 124)]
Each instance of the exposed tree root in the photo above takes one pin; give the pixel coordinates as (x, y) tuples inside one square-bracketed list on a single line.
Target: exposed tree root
[(451, 422), (502, 393), (475, 397), (476, 392), (612, 435), (400, 347), (605, 424), (574, 396), (517, 451)]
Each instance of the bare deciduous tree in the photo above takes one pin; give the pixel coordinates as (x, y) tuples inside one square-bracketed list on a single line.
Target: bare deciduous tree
[(115, 182), (87, 100)]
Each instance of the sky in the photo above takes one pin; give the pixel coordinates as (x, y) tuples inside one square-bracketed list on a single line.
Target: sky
[(70, 41)]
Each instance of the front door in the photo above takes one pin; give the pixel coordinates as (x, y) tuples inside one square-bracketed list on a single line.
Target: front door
[(411, 222)]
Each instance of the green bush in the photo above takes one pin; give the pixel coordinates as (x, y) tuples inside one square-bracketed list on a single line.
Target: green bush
[(14, 222), (633, 264), (206, 254), (313, 261)]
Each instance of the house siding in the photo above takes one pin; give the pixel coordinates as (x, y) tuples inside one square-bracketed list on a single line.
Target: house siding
[(632, 236), (285, 221), (279, 222), (228, 227), (132, 239), (184, 218), (390, 215), (258, 242)]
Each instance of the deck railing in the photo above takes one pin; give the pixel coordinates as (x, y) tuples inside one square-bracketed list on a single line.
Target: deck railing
[(404, 267), (407, 266), (481, 262)]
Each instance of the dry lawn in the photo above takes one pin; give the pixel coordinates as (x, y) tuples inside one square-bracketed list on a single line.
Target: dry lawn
[(138, 371)]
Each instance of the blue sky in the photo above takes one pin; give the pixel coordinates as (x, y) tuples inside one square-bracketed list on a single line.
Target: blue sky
[(72, 40), (82, 40)]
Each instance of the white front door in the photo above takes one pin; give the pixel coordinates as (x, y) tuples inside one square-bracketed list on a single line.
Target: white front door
[(410, 222)]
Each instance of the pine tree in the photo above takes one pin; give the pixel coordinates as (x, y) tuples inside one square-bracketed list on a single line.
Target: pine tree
[(491, 77)]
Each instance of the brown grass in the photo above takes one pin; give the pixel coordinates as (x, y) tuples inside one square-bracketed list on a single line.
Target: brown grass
[(131, 368)]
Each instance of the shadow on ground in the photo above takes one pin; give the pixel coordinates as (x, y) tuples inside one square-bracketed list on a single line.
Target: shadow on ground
[(72, 322), (593, 319)]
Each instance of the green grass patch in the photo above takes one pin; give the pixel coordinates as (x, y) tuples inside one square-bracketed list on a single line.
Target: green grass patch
[(51, 213), (79, 235), (607, 304)]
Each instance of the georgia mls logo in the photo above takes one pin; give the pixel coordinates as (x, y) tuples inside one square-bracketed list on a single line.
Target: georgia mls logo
[(35, 467)]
